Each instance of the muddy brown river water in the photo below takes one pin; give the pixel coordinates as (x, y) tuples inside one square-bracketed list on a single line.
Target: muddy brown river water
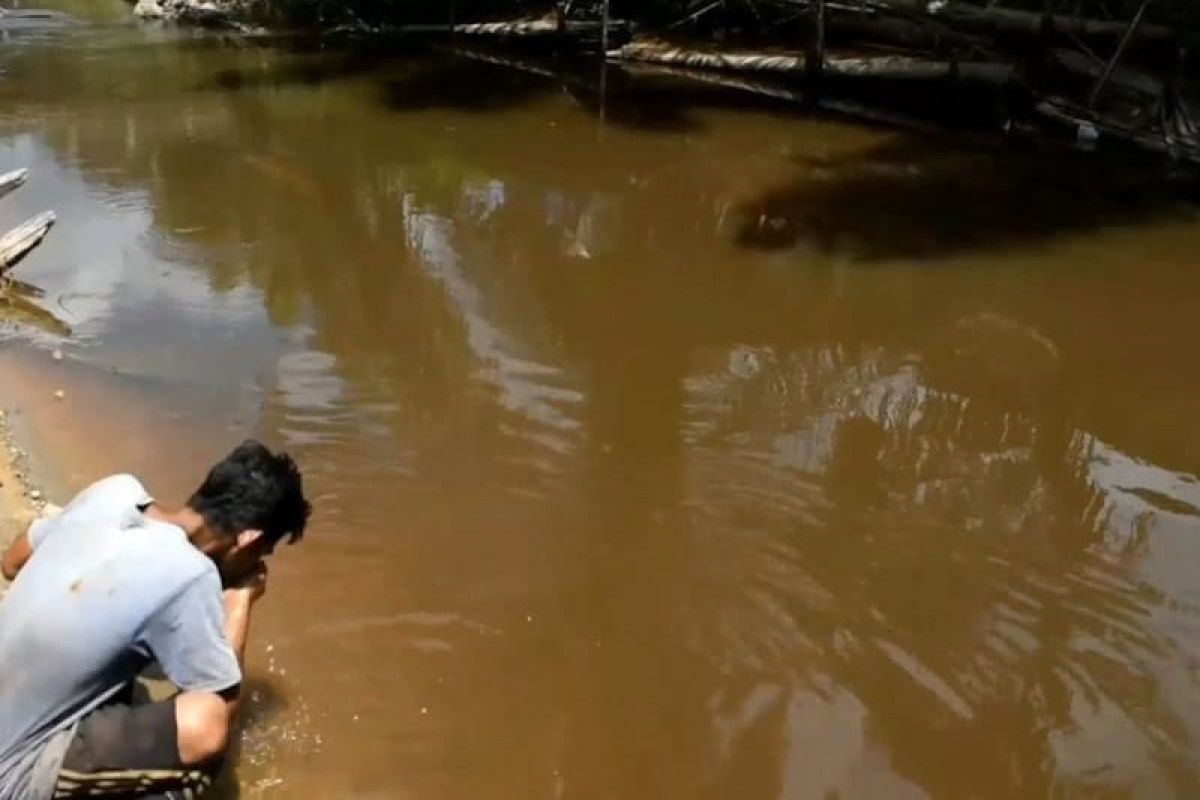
[(713, 450)]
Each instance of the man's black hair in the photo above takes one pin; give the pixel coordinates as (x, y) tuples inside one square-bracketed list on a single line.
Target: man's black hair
[(254, 489)]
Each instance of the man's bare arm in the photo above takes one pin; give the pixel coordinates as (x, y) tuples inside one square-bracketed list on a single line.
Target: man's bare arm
[(15, 556), (239, 602)]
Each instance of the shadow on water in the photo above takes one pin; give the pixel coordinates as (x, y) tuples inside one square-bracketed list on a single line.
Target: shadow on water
[(461, 85), (414, 77), (309, 74), (890, 202)]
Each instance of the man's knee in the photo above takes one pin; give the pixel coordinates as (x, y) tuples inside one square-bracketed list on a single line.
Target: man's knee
[(202, 726)]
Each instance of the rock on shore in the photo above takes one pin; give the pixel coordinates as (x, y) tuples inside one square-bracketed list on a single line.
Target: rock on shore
[(217, 13)]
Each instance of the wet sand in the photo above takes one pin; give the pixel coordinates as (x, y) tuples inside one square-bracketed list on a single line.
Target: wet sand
[(22, 492), (17, 508)]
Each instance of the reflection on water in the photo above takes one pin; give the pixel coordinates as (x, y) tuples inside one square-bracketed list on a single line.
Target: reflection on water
[(764, 456)]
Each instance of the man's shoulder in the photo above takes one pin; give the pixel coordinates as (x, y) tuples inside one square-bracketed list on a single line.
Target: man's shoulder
[(116, 501), (121, 489), (167, 548)]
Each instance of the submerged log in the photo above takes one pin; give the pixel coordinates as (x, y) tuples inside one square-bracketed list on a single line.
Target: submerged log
[(15, 244), (13, 180), (17, 305)]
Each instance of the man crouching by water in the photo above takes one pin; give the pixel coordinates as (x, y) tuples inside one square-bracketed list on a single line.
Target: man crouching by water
[(109, 586)]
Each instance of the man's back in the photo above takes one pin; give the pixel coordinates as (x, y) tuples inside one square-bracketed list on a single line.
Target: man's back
[(106, 590)]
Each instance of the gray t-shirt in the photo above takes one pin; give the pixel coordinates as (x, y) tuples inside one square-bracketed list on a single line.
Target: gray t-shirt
[(105, 591)]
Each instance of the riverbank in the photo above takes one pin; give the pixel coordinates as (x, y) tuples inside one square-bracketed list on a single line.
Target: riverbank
[(20, 499)]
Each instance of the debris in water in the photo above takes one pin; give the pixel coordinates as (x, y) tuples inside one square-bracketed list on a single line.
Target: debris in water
[(57, 355), (59, 394)]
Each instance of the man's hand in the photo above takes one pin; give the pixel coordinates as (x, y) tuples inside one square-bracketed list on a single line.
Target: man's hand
[(249, 589)]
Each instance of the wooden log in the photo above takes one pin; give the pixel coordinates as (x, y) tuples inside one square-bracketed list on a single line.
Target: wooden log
[(535, 27), (13, 180), (546, 27), (880, 66), (17, 243), (994, 19), (1157, 142)]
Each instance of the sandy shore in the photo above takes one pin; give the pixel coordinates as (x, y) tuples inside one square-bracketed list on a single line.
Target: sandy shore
[(20, 500)]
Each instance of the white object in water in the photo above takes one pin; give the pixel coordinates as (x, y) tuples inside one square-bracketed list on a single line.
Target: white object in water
[(1086, 135)]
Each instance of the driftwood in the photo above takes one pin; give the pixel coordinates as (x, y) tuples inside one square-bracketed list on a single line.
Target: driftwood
[(15, 244), (17, 299), (13, 180), (844, 66)]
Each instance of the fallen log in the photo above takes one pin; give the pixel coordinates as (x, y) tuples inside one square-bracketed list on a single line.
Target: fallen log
[(993, 19), (533, 28), (1090, 127), (890, 67), (17, 243), (13, 180), (997, 20)]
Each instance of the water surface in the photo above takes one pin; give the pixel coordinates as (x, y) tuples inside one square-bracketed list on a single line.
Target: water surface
[(705, 449)]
